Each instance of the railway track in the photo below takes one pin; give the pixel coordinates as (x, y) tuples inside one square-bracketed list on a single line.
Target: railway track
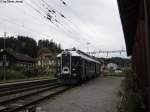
[(17, 96), (7, 89)]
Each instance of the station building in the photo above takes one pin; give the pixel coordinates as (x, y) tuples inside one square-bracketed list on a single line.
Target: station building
[(10, 59), (135, 18)]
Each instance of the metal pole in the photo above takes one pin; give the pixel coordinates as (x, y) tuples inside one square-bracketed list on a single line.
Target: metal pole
[(5, 40), (88, 43), (4, 65), (4, 58)]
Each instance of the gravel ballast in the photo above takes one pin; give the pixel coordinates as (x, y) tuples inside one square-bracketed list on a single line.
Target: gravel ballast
[(97, 95)]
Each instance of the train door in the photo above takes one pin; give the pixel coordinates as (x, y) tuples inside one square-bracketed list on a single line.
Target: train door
[(66, 63)]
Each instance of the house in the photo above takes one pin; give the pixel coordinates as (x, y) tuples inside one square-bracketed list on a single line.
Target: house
[(11, 58), (46, 59), (112, 66)]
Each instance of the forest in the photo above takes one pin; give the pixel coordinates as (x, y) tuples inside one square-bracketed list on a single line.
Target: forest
[(28, 45)]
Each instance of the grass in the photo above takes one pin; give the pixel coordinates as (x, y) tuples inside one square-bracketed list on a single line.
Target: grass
[(113, 73), (12, 74), (17, 74), (110, 77)]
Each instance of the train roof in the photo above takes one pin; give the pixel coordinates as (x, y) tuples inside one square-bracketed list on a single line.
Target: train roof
[(80, 54)]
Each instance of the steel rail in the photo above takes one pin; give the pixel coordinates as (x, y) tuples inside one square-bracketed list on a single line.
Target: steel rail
[(26, 88), (15, 85), (4, 102), (32, 99), (38, 100)]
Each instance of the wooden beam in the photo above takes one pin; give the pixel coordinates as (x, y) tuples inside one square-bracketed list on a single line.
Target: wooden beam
[(147, 24)]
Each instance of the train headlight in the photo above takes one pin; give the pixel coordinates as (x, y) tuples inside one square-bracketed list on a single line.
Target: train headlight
[(74, 75)]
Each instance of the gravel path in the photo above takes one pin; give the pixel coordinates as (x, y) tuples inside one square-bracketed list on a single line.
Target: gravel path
[(98, 95)]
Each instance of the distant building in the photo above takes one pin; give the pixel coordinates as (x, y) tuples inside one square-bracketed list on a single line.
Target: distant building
[(46, 59), (9, 59), (112, 66)]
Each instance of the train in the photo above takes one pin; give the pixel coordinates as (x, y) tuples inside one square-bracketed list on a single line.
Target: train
[(75, 66)]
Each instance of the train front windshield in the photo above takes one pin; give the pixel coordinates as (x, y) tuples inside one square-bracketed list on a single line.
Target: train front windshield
[(66, 63), (66, 60)]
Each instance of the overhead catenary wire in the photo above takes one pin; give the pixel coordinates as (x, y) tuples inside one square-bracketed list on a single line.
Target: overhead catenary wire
[(76, 27), (60, 29), (73, 25), (54, 21), (58, 13), (66, 33), (45, 14), (41, 13)]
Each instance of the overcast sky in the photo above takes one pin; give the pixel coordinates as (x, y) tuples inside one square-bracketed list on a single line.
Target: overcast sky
[(85, 24)]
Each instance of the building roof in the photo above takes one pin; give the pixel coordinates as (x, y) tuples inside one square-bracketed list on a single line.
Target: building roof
[(129, 11), (19, 56), (81, 54)]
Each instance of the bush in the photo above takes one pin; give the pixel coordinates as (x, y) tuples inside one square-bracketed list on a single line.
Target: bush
[(22, 73), (131, 95), (16, 68), (12, 74)]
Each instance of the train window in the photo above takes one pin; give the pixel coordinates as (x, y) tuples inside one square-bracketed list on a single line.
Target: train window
[(75, 61), (66, 60)]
